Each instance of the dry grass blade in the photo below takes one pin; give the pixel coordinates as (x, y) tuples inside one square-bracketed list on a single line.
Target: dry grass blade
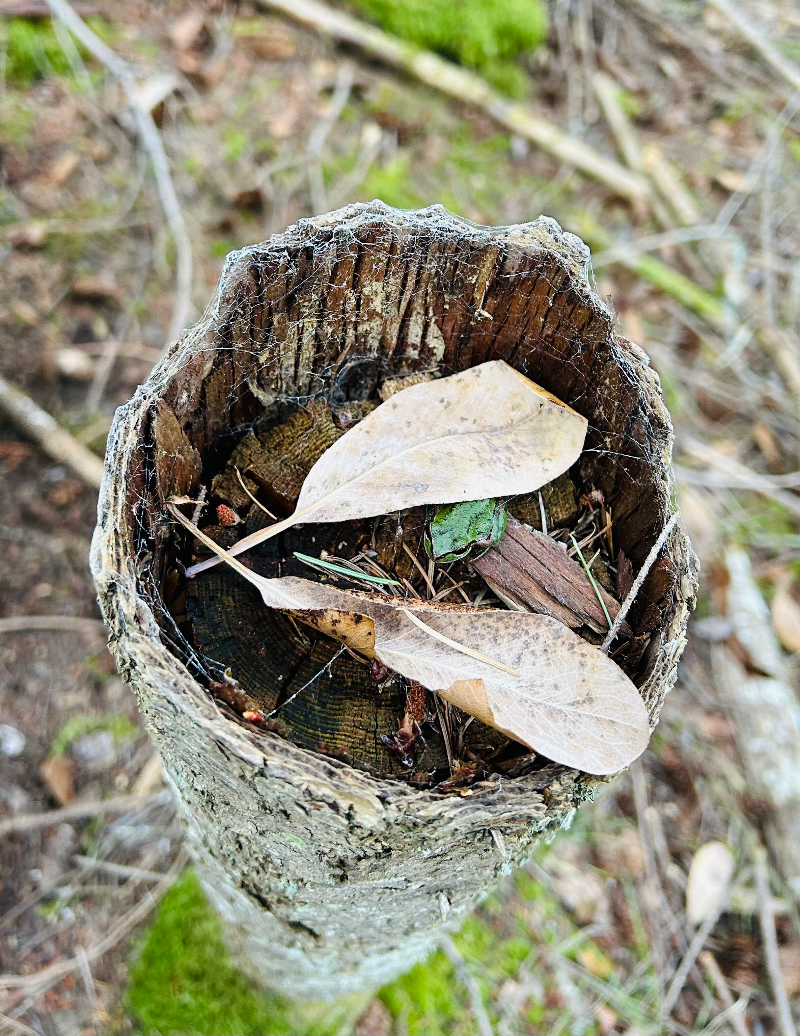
[(256, 502), (484, 432)]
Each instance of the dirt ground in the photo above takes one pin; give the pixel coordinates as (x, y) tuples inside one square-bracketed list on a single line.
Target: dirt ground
[(594, 936)]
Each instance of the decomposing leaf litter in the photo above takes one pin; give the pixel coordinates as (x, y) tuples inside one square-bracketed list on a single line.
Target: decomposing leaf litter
[(556, 693), (479, 436)]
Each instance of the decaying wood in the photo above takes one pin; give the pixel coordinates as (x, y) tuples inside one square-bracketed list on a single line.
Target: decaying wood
[(330, 877), (536, 573)]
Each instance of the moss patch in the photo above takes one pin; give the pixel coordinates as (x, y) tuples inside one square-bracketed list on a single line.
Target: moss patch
[(488, 35)]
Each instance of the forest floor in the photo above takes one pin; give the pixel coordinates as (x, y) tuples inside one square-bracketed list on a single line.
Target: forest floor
[(103, 931)]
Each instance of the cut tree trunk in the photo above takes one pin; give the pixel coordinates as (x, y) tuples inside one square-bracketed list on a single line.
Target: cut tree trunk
[(330, 873)]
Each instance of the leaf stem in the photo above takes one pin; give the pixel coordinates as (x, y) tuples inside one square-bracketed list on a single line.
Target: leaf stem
[(460, 647)]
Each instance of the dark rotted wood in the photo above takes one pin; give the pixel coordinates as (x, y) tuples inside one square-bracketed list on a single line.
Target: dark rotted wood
[(536, 572), (560, 505)]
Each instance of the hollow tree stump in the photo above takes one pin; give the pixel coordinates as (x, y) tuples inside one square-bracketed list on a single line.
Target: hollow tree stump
[(334, 876)]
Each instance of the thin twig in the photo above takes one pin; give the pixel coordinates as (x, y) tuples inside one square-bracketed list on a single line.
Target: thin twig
[(116, 870), (80, 810), (258, 503), (466, 87), (450, 951), (637, 583), (319, 134), (420, 569), (153, 145), (41, 980), (757, 39), (691, 955), (769, 940), (59, 623), (733, 1011), (56, 441)]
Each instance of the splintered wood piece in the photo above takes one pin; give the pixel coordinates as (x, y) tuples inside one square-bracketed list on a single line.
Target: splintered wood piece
[(531, 570)]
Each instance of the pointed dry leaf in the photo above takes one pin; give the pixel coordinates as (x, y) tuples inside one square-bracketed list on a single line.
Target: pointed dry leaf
[(786, 619), (570, 702), (485, 432), (750, 617), (709, 878)]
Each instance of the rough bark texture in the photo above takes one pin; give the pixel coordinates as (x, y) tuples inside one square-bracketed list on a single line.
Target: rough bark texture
[(331, 879)]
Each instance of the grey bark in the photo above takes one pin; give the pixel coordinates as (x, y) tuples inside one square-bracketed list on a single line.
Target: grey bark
[(330, 880)]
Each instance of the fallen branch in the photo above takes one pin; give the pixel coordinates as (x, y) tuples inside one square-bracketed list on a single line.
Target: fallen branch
[(769, 940), (153, 145), (56, 441), (60, 623), (691, 955), (759, 41), (464, 86), (80, 810), (637, 583)]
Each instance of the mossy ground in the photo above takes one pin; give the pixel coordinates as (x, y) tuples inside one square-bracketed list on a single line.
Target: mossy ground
[(488, 35), (183, 982)]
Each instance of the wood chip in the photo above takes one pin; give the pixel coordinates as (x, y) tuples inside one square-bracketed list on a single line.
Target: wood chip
[(533, 571)]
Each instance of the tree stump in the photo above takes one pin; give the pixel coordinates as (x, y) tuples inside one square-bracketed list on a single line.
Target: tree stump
[(332, 875)]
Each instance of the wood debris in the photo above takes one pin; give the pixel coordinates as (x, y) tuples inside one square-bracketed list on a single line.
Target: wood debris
[(534, 573)]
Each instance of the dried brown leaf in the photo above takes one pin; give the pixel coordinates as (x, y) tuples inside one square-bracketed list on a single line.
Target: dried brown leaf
[(570, 702), (485, 432), (709, 879), (786, 619)]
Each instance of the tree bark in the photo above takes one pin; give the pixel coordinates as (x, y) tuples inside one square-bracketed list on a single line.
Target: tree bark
[(331, 879)]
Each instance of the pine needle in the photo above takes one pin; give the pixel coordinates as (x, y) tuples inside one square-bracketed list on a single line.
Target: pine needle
[(595, 587), (352, 573)]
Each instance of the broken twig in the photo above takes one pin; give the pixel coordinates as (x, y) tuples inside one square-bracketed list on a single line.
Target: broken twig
[(153, 145), (770, 943), (637, 583), (58, 623), (56, 441)]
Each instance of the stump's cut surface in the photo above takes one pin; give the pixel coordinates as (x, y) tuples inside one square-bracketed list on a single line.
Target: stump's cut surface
[(329, 878)]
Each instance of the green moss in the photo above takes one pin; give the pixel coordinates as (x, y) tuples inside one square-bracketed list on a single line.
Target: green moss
[(119, 726), (16, 120), (488, 35), (429, 1000), (182, 982), (33, 50)]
